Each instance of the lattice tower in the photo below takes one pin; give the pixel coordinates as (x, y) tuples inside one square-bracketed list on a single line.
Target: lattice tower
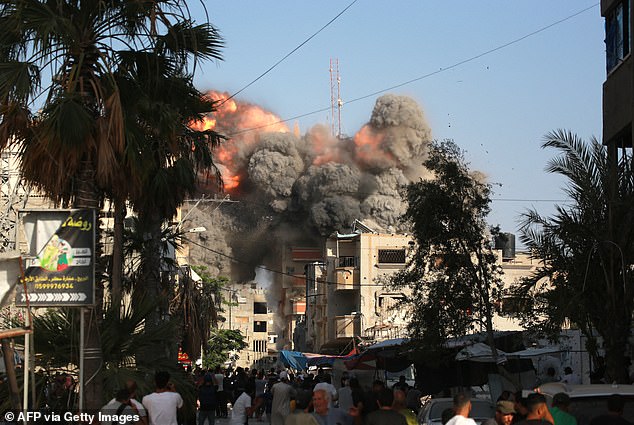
[(335, 98)]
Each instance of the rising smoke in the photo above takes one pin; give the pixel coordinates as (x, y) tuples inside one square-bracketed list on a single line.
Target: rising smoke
[(297, 190)]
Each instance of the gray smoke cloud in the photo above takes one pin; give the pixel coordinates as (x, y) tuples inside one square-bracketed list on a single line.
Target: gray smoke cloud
[(297, 190)]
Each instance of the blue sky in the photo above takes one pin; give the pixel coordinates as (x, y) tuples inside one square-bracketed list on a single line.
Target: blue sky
[(497, 107)]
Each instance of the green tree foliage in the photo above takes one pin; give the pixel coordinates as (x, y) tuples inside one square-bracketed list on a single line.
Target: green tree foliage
[(586, 249), (221, 343), (76, 122), (452, 272), (200, 304), (123, 336), (73, 132)]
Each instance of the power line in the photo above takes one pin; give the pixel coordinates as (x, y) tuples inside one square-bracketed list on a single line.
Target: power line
[(290, 53), (422, 77)]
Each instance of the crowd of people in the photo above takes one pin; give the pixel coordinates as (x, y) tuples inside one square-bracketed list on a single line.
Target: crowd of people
[(513, 409), (284, 398)]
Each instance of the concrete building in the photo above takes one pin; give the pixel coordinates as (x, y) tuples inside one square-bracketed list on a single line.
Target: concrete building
[(347, 297), (618, 88), (292, 299), (248, 312), (347, 293), (519, 266)]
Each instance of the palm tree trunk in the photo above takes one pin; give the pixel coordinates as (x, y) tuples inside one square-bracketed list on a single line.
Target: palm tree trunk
[(149, 287), (117, 256), (615, 342), (88, 197), (14, 393)]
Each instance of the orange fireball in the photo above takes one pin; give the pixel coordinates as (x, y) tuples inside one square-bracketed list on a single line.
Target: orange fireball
[(241, 122)]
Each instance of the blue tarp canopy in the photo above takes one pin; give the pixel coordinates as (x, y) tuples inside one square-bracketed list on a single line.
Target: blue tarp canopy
[(293, 359)]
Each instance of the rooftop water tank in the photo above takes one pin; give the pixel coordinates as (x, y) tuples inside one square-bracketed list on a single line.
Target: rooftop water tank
[(506, 243)]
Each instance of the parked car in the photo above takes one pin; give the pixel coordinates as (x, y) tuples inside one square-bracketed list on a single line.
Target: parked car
[(589, 401), (430, 413)]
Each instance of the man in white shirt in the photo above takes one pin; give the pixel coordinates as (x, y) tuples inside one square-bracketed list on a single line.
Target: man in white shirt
[(570, 378), (462, 407), (243, 409), (162, 405)]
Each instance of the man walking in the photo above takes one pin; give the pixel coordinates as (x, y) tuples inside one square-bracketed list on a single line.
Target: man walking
[(462, 408), (119, 407), (538, 413), (504, 411), (207, 401), (327, 415), (384, 415), (560, 410), (162, 405), (282, 392), (131, 386)]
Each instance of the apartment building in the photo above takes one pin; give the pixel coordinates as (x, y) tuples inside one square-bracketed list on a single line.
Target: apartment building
[(618, 88), (249, 313), (347, 295)]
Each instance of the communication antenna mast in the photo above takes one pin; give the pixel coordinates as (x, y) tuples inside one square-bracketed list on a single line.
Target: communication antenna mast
[(335, 98)]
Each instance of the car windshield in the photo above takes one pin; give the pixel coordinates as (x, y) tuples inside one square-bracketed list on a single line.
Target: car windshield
[(479, 409)]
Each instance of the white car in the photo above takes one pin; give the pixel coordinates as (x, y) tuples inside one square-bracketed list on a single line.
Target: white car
[(589, 401), (430, 413)]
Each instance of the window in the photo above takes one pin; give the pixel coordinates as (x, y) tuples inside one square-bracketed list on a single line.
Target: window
[(259, 346), (514, 305), (259, 308), (348, 261), (259, 326), (391, 256), (617, 34), (388, 302)]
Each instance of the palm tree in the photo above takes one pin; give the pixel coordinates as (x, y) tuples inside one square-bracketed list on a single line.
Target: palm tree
[(72, 130), (123, 335), (164, 158), (586, 249)]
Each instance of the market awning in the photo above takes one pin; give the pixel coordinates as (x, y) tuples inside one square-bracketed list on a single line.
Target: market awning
[(293, 359)]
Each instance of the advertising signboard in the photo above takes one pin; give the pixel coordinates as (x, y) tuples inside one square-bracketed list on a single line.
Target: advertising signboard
[(63, 273)]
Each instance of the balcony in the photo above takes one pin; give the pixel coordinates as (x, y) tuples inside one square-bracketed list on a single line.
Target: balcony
[(347, 278), (347, 326)]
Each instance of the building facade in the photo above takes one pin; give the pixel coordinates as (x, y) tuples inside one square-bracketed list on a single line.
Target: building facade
[(618, 88), (248, 312), (347, 293)]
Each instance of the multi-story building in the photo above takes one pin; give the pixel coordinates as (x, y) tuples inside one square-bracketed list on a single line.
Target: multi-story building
[(347, 293), (347, 297), (249, 313), (618, 89), (515, 266), (292, 305)]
